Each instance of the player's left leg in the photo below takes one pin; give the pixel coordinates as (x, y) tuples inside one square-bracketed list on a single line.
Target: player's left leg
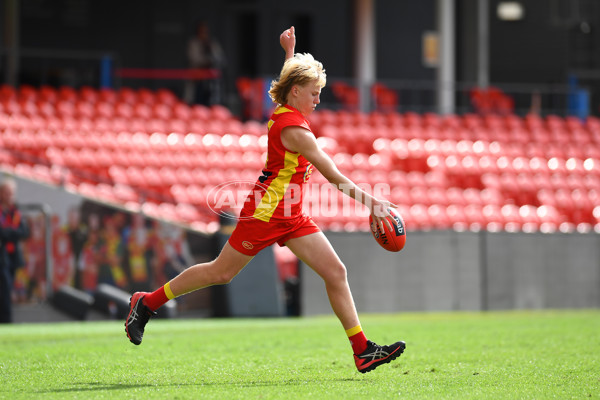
[(316, 251)]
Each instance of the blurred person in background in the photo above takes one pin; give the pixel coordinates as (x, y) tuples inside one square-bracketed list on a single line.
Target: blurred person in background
[(78, 235), (13, 229), (204, 52)]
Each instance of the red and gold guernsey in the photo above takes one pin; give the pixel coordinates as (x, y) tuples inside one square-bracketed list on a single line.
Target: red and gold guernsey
[(277, 194)]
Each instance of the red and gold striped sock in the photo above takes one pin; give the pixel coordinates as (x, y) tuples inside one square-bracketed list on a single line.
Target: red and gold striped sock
[(159, 297), (357, 338)]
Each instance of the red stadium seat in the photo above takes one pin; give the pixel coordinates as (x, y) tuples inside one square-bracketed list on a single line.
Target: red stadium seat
[(161, 111), (529, 218), (145, 96), (437, 195), (455, 196), (47, 94), (200, 112), (419, 216), (344, 162), (187, 212), (233, 127), (142, 110), (596, 215), (220, 113), (397, 178), (416, 179), (420, 194), (125, 193), (68, 94), (126, 95), (401, 195), (359, 176), (88, 94), (65, 108), (439, 217), (104, 109), (511, 216), (386, 99), (345, 94), (88, 190), (168, 176), (492, 217), (84, 110), (550, 218), (180, 194), (457, 217), (107, 95), (377, 177), (166, 97), (124, 109), (181, 111), (474, 217), (106, 193)]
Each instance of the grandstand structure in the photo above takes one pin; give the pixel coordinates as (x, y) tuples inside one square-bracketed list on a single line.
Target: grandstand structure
[(148, 151)]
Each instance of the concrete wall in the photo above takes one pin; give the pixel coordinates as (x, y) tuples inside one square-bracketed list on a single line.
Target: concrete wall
[(256, 291), (543, 271), (446, 270)]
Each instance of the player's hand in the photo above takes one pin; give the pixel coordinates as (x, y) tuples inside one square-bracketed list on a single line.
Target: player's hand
[(287, 39), (380, 213)]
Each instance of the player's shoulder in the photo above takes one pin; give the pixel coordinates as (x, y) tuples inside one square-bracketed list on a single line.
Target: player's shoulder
[(287, 113), (287, 116)]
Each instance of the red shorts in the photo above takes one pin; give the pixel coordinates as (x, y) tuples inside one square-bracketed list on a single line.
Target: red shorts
[(252, 235)]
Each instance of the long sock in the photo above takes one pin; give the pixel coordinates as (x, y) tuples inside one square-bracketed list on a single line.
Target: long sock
[(159, 297), (357, 338)]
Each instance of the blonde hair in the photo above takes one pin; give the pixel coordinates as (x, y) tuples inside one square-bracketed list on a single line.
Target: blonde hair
[(298, 70)]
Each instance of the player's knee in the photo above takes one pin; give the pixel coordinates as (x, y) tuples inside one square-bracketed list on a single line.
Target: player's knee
[(337, 273), (224, 277)]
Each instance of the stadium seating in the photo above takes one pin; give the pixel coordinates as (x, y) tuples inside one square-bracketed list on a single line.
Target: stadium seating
[(147, 150)]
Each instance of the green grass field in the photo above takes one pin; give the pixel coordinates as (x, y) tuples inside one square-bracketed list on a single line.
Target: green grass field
[(496, 355)]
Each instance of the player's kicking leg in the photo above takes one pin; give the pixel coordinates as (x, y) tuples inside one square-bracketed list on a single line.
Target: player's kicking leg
[(220, 271)]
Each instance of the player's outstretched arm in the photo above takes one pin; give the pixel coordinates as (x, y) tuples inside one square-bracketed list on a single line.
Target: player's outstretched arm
[(304, 142), (287, 39)]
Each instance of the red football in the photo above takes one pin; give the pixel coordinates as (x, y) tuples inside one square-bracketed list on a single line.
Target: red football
[(393, 240)]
